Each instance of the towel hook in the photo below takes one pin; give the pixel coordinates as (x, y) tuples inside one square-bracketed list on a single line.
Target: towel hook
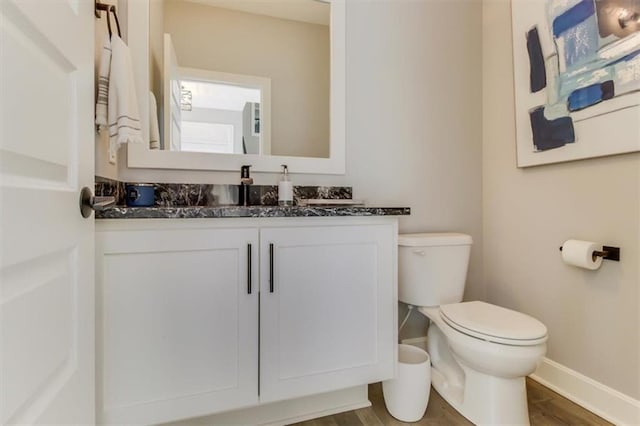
[(99, 7), (112, 9)]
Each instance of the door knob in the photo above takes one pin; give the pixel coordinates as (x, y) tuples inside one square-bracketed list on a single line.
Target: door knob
[(88, 202)]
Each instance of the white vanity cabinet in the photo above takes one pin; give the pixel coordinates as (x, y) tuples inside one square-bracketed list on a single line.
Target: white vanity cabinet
[(177, 326), (201, 316), (327, 303)]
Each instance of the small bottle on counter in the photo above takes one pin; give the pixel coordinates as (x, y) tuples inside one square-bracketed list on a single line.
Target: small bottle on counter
[(285, 188), (245, 183)]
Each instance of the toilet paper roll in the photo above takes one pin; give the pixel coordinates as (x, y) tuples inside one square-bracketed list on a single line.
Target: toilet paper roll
[(580, 253)]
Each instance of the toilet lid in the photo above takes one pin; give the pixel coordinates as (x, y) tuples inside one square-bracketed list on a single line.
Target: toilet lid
[(494, 324)]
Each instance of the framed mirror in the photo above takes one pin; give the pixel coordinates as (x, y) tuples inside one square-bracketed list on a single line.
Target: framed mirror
[(241, 82)]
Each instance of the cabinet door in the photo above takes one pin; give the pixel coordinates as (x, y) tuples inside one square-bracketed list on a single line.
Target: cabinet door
[(327, 321), (178, 333)]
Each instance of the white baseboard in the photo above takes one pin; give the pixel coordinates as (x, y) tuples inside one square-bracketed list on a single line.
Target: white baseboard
[(607, 403)]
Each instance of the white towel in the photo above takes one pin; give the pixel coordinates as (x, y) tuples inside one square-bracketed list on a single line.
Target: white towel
[(124, 118), (103, 84), (154, 130)]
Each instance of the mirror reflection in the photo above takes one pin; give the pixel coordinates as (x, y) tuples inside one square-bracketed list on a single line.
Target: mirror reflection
[(219, 118), (241, 76)]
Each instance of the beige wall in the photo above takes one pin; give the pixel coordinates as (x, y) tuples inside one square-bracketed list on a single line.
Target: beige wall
[(414, 117), (241, 43), (593, 317)]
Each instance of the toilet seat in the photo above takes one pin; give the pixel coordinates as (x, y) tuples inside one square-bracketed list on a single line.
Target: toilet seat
[(493, 323)]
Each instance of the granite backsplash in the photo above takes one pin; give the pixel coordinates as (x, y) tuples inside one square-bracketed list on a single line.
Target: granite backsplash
[(191, 195)]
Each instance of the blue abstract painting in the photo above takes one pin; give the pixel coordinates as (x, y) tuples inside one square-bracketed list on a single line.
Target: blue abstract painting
[(577, 78)]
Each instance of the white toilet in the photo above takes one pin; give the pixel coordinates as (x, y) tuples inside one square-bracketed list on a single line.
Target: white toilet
[(480, 353)]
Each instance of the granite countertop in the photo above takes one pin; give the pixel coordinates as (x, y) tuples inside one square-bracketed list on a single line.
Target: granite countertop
[(121, 212), (185, 201)]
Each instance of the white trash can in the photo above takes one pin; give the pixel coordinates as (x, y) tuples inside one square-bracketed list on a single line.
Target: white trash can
[(407, 395)]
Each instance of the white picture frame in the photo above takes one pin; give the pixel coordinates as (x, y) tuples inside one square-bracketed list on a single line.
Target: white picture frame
[(607, 127)]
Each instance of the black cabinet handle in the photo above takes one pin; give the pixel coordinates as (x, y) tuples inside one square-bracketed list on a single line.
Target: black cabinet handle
[(271, 268), (249, 268)]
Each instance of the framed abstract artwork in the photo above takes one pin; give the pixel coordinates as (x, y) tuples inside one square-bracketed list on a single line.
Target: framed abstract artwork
[(577, 79)]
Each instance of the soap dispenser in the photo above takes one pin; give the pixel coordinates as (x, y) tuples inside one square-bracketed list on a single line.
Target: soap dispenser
[(285, 188), (243, 188)]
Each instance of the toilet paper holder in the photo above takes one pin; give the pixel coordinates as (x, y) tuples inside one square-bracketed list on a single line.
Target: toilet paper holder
[(608, 253)]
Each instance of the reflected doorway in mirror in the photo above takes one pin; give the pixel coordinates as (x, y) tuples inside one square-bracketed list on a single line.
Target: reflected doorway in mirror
[(221, 118), (214, 112)]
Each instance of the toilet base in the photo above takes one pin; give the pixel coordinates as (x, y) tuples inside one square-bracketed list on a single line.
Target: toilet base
[(483, 399), (480, 397)]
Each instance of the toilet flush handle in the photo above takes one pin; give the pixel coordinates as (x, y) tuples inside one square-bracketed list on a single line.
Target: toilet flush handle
[(419, 252)]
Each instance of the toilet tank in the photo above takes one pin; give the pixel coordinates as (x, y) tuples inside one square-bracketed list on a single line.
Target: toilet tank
[(432, 268)]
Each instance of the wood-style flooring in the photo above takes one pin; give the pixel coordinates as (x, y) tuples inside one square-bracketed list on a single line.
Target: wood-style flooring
[(545, 408)]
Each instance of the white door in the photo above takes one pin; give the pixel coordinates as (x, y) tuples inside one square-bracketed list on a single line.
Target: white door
[(327, 318), (47, 248)]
